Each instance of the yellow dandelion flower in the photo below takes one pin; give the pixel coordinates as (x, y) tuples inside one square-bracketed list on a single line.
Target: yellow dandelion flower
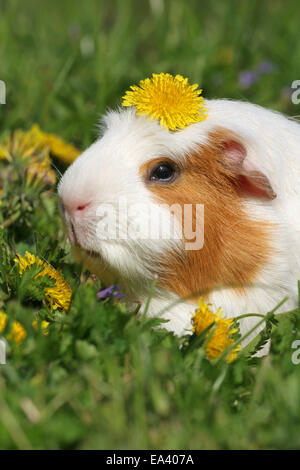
[(2, 321), (27, 146), (43, 326), (221, 338), (57, 146), (4, 154), (21, 144), (67, 153), (171, 100), (18, 332), (58, 296), (41, 170)]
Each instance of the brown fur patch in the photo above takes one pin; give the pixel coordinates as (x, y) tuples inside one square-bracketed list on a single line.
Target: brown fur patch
[(235, 247)]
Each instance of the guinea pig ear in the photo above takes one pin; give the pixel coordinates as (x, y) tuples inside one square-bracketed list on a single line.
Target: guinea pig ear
[(251, 180)]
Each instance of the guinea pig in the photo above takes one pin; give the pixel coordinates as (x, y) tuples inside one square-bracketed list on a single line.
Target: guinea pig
[(240, 167)]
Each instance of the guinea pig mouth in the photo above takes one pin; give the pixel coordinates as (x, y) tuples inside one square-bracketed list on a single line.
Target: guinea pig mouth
[(92, 254), (70, 230), (73, 236)]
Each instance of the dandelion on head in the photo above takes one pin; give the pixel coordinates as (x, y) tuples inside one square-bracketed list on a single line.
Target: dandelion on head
[(222, 337), (171, 100)]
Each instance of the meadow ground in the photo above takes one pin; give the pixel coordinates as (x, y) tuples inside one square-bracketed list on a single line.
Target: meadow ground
[(99, 377)]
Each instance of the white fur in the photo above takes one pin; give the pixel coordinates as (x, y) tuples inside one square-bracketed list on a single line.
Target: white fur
[(109, 169)]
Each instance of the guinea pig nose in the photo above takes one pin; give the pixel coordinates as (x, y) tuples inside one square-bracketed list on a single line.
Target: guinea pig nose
[(73, 209), (82, 207)]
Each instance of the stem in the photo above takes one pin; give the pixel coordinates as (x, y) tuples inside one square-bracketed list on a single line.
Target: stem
[(238, 341), (264, 318), (151, 292), (249, 315), (12, 219)]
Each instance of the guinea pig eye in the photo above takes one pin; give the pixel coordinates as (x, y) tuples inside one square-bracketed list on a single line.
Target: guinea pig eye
[(164, 172)]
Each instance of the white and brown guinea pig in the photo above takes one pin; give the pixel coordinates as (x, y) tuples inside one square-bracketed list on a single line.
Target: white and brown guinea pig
[(242, 163)]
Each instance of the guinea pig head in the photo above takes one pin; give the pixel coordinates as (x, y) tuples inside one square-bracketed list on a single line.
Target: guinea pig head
[(109, 213), (130, 198)]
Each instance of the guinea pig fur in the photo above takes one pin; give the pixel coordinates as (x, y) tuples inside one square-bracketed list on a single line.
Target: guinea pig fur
[(242, 164)]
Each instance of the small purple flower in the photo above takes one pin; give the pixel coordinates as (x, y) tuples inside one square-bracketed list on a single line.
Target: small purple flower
[(247, 78), (113, 290)]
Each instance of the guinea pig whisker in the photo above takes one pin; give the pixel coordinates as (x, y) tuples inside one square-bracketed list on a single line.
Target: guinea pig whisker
[(56, 169)]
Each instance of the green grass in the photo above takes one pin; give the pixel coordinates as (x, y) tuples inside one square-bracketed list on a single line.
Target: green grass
[(103, 378)]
